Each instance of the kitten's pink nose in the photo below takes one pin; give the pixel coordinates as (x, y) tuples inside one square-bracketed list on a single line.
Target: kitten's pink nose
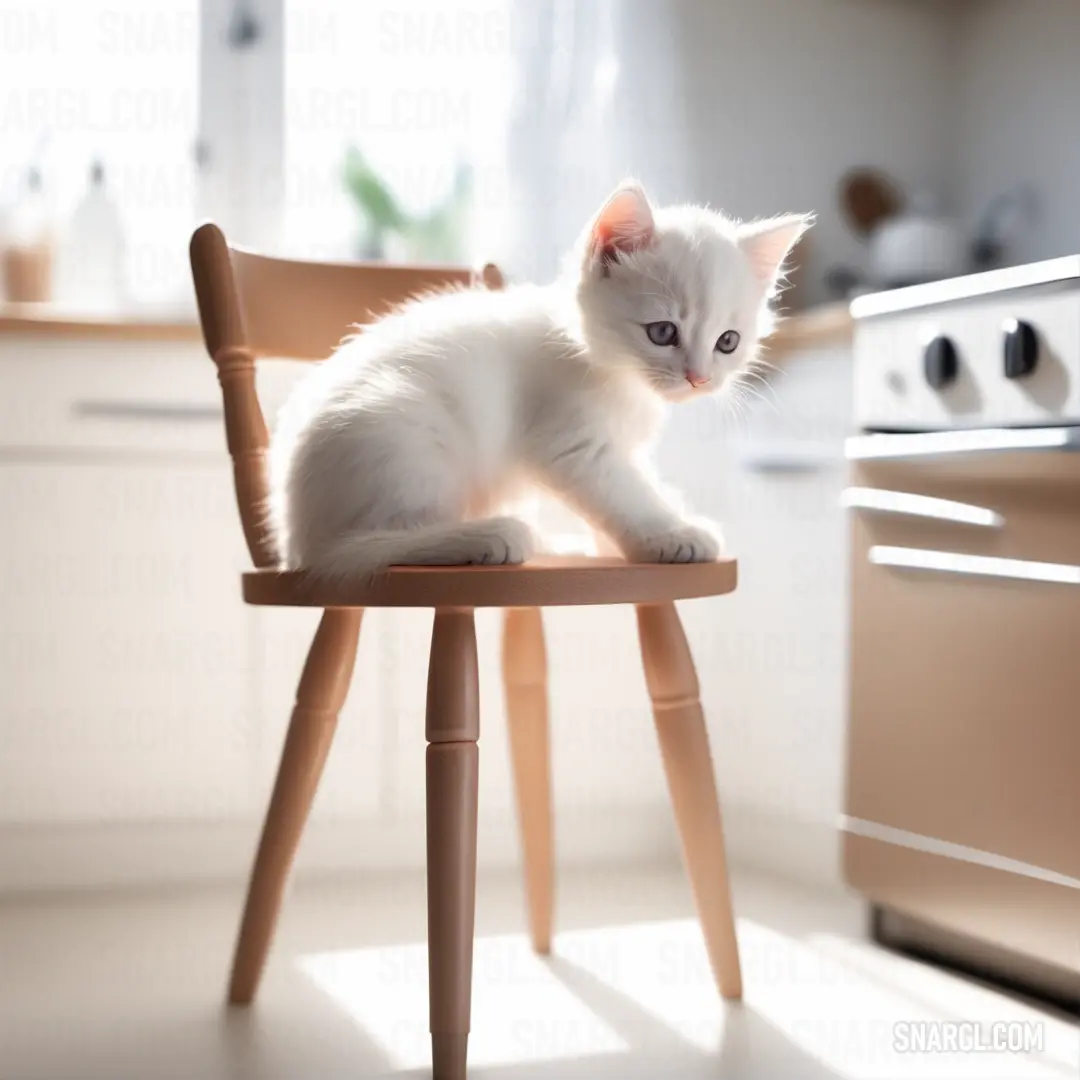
[(696, 380)]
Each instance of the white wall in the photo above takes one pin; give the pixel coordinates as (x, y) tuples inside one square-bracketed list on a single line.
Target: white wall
[(1017, 72), (756, 108), (784, 97), (760, 107)]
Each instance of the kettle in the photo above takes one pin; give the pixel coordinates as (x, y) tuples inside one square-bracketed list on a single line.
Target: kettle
[(916, 245)]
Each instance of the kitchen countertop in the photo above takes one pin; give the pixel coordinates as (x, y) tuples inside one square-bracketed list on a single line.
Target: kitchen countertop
[(43, 320), (967, 287), (825, 325)]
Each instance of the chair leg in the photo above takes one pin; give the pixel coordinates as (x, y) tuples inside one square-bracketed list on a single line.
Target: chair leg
[(684, 747), (453, 727), (525, 680), (319, 697)]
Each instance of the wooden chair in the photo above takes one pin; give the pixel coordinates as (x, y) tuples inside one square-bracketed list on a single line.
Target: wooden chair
[(252, 306)]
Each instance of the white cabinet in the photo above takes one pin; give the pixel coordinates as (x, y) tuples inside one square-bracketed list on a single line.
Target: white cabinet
[(65, 398), (772, 657), (137, 688), (136, 685), (603, 746), (125, 658), (352, 785)]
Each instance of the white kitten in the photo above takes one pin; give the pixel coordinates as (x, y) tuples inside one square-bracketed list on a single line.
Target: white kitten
[(398, 448)]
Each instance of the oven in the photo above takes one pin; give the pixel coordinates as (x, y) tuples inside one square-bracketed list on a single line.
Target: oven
[(962, 803)]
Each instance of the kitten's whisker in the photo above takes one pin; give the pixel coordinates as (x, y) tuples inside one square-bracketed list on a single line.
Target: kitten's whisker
[(750, 397), (755, 392), (755, 375), (755, 395), (767, 373), (760, 361), (737, 410), (758, 370)]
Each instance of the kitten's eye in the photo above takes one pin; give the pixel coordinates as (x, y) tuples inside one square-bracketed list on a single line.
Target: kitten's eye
[(662, 333), (728, 341)]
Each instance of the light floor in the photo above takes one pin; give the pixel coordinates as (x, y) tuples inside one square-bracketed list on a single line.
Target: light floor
[(130, 988)]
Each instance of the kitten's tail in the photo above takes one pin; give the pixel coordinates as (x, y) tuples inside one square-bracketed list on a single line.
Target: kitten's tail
[(491, 541)]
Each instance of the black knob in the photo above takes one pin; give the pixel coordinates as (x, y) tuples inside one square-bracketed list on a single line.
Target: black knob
[(1021, 349), (940, 362)]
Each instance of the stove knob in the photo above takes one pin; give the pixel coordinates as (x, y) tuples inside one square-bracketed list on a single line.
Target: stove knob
[(1021, 348), (940, 362)]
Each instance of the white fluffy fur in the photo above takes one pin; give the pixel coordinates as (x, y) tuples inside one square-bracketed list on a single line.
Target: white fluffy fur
[(400, 447)]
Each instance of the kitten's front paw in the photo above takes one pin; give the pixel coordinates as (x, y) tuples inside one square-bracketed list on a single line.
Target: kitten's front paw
[(683, 544)]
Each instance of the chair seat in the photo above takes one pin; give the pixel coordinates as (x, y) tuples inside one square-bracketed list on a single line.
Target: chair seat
[(550, 581)]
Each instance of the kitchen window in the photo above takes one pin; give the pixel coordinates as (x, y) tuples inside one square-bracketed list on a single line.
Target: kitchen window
[(249, 111), (416, 95), (115, 81)]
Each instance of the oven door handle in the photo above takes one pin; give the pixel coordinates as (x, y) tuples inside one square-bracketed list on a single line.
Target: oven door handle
[(950, 443), (955, 562), (905, 504)]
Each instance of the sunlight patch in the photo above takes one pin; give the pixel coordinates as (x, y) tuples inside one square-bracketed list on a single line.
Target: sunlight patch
[(521, 1011)]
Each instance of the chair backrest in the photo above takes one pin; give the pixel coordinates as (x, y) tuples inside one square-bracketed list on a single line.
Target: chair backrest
[(253, 306)]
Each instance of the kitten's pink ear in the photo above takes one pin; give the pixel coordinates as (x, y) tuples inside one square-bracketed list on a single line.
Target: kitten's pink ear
[(624, 224), (768, 243)]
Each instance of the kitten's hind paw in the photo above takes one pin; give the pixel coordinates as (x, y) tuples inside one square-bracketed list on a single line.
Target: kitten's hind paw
[(499, 541), (683, 544)]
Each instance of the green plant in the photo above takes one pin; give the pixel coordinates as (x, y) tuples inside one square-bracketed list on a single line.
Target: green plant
[(437, 235)]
